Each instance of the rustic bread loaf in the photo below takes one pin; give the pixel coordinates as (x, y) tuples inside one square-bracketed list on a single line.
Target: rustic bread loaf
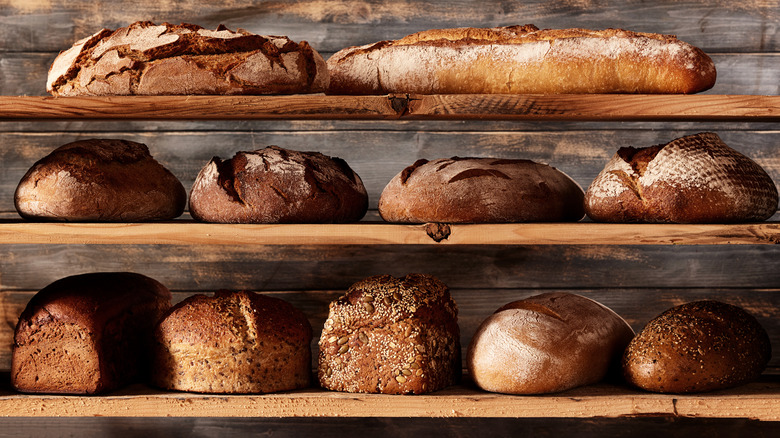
[(146, 59), (233, 342), (522, 60), (693, 179), (391, 336), (87, 334), (696, 347), (100, 180), (473, 190), (275, 185), (547, 343)]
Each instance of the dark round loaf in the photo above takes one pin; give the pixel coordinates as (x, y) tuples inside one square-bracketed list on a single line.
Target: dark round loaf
[(391, 336), (481, 190), (100, 180), (693, 179), (696, 347), (233, 343), (275, 185), (547, 343)]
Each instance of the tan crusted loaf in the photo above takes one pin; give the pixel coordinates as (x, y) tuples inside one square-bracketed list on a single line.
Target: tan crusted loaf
[(522, 60), (146, 59)]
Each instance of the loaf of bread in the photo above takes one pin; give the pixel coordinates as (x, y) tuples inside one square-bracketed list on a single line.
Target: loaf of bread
[(87, 334), (391, 336), (147, 59), (522, 60), (547, 343), (474, 190), (275, 185), (233, 343), (696, 347), (100, 180), (693, 179)]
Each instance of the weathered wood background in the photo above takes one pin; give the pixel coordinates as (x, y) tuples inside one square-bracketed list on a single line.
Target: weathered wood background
[(638, 282)]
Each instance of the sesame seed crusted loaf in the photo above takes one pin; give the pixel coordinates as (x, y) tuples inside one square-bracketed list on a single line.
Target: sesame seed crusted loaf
[(693, 179), (522, 60), (147, 59), (696, 347), (392, 336)]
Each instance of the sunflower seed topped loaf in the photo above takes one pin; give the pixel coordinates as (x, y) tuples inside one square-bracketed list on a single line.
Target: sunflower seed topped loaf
[(234, 342), (276, 185), (522, 60), (148, 59), (392, 336), (693, 179)]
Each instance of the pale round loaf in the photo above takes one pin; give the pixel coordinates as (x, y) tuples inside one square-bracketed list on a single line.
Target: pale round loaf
[(522, 60), (693, 179), (481, 190), (547, 343)]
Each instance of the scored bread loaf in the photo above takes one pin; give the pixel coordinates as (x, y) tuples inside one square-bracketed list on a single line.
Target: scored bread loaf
[(479, 190), (233, 342), (392, 336), (87, 334), (276, 185), (693, 179), (100, 180), (147, 59), (522, 60), (547, 343)]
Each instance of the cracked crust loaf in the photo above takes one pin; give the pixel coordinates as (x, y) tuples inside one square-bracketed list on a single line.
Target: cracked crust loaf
[(481, 190), (87, 334), (547, 343), (235, 342), (100, 180), (696, 347), (693, 179), (522, 60), (276, 185), (391, 336), (148, 59)]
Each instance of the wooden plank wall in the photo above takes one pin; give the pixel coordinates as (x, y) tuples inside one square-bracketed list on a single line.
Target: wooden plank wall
[(638, 282)]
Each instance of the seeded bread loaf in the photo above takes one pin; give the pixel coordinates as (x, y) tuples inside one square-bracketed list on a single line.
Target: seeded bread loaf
[(693, 179), (87, 334), (696, 347), (147, 59), (233, 343), (275, 185), (522, 60), (547, 343), (100, 180), (391, 336), (474, 190)]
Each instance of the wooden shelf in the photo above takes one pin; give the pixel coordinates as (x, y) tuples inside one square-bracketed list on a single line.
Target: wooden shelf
[(616, 107), (185, 232)]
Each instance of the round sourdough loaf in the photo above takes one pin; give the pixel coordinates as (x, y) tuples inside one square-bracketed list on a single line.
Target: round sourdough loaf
[(547, 343), (233, 342), (147, 59), (391, 336), (522, 60), (275, 185), (695, 347), (100, 180), (693, 179), (474, 190)]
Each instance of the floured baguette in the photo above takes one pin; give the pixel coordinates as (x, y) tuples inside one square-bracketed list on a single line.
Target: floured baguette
[(693, 179), (522, 60), (147, 59)]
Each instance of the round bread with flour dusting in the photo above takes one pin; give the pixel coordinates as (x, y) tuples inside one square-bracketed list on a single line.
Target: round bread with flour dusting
[(693, 179), (276, 185)]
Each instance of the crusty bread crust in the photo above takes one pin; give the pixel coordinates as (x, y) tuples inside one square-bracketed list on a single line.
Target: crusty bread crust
[(522, 60)]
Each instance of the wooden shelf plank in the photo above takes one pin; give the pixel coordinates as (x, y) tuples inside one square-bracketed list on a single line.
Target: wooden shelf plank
[(185, 232)]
